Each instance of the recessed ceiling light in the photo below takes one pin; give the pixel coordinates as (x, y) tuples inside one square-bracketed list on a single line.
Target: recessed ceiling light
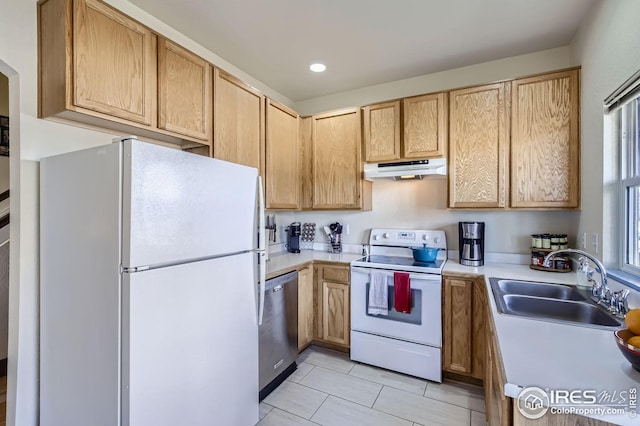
[(317, 67)]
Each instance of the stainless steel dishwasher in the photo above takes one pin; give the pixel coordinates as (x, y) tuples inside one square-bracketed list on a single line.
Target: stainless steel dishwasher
[(278, 334)]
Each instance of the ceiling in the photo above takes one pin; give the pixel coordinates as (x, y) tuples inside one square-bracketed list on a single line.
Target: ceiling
[(366, 42)]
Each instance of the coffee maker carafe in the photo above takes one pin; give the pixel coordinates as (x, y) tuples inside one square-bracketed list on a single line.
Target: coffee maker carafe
[(471, 243), (293, 237)]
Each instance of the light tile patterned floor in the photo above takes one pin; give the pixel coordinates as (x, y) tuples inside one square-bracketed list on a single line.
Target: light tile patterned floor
[(329, 389)]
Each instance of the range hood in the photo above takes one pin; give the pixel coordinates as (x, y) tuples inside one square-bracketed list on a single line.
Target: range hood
[(418, 169)]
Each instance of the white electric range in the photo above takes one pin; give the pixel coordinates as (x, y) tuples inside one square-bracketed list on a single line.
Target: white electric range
[(409, 343)]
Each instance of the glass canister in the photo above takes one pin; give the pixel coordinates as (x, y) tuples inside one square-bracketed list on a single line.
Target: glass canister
[(546, 241), (564, 241), (534, 241)]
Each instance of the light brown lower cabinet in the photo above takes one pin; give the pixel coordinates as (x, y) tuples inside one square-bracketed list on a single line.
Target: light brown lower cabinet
[(305, 307), (498, 405), (332, 305), (464, 315)]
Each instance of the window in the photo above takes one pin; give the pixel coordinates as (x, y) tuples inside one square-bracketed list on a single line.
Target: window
[(630, 183), (624, 105)]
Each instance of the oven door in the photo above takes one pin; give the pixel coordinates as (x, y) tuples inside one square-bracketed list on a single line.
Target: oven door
[(423, 325)]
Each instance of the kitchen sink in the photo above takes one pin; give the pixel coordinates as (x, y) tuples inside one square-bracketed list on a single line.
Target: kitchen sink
[(550, 302), (528, 288), (561, 310)]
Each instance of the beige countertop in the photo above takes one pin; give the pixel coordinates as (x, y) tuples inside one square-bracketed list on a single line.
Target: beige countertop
[(283, 262), (555, 356)]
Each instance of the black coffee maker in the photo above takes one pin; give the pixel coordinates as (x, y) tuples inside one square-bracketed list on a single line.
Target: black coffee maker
[(471, 240), (293, 237)]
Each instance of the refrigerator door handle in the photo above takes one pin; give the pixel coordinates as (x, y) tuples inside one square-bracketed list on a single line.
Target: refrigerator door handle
[(262, 258)]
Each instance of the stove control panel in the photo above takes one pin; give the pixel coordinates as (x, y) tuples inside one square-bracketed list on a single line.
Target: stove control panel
[(407, 238)]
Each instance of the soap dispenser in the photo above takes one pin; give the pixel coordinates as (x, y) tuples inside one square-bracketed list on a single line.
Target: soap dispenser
[(582, 274)]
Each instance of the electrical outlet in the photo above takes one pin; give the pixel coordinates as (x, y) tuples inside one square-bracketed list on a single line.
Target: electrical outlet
[(595, 242), (583, 242)]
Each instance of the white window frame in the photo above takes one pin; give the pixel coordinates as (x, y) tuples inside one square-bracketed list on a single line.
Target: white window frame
[(629, 178)]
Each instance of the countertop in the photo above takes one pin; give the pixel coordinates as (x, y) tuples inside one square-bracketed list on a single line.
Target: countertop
[(283, 262), (551, 356), (556, 356)]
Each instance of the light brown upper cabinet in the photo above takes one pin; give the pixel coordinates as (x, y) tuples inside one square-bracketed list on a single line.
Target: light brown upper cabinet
[(381, 127), (99, 67), (184, 91), (414, 128), (425, 126), (95, 60), (238, 121), (545, 169), (337, 166), (479, 146), (283, 157)]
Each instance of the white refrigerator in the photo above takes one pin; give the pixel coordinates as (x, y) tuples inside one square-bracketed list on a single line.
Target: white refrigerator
[(152, 286)]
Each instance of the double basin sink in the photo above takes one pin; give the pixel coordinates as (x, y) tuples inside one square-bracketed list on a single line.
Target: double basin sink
[(550, 302)]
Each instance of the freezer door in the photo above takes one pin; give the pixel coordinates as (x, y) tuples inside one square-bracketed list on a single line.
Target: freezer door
[(179, 206), (190, 344)]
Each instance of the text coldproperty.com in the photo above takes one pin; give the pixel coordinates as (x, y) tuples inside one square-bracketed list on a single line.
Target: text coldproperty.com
[(584, 411)]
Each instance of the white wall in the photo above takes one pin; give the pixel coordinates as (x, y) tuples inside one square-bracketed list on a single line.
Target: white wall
[(423, 205), (487, 72), (607, 47)]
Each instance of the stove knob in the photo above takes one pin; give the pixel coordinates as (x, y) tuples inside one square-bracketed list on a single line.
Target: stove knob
[(425, 237), (436, 240), (376, 237), (387, 235)]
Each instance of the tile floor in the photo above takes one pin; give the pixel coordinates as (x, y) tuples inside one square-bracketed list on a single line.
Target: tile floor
[(330, 389)]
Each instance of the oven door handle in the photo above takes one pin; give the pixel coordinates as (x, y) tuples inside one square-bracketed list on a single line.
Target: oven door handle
[(412, 276)]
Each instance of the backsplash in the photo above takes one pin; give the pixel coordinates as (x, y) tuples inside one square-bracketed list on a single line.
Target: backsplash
[(423, 205)]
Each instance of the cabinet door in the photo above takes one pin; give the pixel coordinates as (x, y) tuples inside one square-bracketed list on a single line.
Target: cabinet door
[(283, 157), (478, 324), (337, 171), (238, 117), (335, 313), (184, 91), (382, 132), (458, 339), (498, 405), (305, 307), (545, 141), (306, 159), (114, 63), (478, 146), (425, 126)]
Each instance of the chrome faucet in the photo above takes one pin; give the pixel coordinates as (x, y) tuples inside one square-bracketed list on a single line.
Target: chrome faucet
[(615, 302)]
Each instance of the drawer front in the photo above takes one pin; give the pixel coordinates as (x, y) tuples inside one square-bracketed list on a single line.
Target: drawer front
[(336, 274)]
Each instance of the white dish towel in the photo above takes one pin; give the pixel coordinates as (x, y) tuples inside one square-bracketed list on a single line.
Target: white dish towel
[(378, 294)]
